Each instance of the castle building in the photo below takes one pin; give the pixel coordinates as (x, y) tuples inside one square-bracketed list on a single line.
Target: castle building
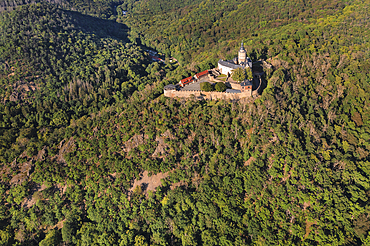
[(190, 86), (226, 67), (246, 87), (242, 54)]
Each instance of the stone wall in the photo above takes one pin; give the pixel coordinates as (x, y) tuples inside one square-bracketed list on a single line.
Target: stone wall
[(224, 95), (213, 79), (258, 90), (186, 94), (211, 95), (235, 86)]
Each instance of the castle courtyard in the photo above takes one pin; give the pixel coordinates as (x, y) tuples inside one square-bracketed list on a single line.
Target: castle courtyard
[(196, 85)]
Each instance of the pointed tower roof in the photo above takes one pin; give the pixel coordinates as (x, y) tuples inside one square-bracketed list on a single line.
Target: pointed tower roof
[(242, 46), (242, 55)]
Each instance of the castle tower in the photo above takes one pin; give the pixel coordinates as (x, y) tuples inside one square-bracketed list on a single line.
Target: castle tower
[(242, 55)]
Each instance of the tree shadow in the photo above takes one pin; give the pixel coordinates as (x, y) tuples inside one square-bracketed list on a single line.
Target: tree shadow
[(144, 186), (259, 81), (101, 27)]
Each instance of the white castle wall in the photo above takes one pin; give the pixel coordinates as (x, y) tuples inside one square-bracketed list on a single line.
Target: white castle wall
[(225, 70)]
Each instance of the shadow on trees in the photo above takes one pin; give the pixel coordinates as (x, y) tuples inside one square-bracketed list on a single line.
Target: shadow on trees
[(100, 27)]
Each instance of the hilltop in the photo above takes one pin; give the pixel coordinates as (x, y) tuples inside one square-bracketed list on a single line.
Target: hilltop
[(290, 166)]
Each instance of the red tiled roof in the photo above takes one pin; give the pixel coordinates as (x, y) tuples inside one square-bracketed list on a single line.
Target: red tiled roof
[(188, 79), (202, 74)]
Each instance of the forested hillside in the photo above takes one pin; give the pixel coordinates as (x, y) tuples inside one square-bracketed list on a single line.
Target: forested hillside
[(84, 121), (214, 27), (100, 8), (58, 66)]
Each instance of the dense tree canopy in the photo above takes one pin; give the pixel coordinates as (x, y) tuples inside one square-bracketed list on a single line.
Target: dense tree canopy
[(206, 86), (239, 74), (220, 86), (92, 153)]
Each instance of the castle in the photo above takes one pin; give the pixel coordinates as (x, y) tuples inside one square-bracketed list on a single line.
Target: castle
[(191, 86), (242, 61)]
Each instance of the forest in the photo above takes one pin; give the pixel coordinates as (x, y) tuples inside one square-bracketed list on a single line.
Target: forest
[(92, 153)]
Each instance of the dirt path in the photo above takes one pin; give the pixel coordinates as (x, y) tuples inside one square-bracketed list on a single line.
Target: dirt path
[(149, 183), (31, 200)]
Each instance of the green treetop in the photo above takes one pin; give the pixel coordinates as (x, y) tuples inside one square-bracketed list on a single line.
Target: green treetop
[(220, 87), (249, 73), (206, 86), (239, 74)]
